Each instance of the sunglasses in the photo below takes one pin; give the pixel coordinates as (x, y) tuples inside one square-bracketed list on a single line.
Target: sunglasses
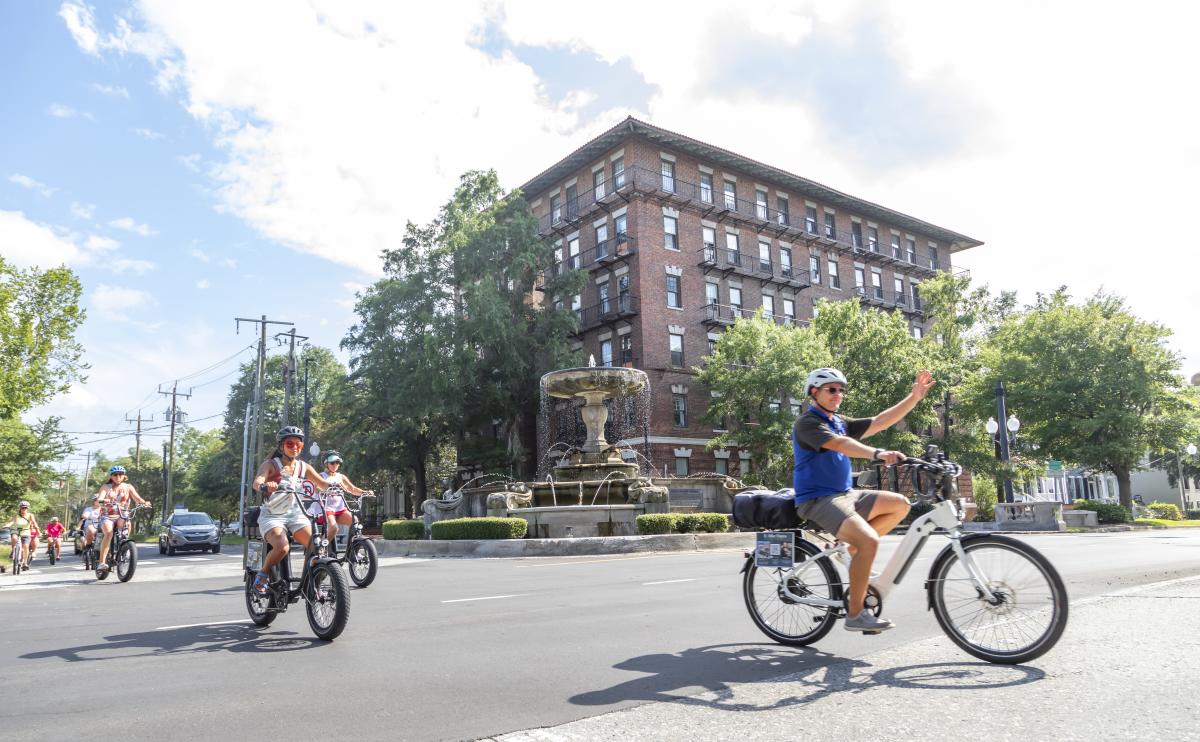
[(834, 389), (293, 442)]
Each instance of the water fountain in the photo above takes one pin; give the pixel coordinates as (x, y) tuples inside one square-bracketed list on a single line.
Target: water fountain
[(592, 489)]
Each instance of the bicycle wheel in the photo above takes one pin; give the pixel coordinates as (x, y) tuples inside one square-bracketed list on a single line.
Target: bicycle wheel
[(50, 553), (1022, 617), (777, 614), (258, 604), (126, 561), (16, 560), (328, 600), (362, 560)]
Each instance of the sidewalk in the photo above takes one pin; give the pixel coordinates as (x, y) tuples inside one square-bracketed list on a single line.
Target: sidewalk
[(929, 690), (532, 547)]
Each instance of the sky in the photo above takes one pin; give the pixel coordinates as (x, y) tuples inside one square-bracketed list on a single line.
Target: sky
[(198, 162)]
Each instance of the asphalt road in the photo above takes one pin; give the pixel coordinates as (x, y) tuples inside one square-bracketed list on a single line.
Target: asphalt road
[(460, 649)]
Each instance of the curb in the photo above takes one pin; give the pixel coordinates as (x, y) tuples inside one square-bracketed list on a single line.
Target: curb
[(585, 546)]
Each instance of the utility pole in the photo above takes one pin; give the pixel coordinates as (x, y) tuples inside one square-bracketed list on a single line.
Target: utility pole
[(137, 451), (176, 416), (307, 412), (289, 372), (258, 388)]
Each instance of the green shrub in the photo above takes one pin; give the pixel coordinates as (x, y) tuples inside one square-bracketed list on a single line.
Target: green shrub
[(984, 495), (655, 523), (712, 522), (1106, 512), (1165, 511), (407, 530), (479, 528), (1193, 514)]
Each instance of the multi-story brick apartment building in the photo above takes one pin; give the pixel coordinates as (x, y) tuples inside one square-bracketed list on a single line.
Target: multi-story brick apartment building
[(679, 238)]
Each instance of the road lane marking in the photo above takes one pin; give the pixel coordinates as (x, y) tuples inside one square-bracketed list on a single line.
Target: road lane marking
[(207, 623), (668, 582), (597, 561), (489, 597), (195, 559)]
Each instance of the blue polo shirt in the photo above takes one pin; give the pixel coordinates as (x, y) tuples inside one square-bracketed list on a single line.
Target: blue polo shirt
[(817, 471)]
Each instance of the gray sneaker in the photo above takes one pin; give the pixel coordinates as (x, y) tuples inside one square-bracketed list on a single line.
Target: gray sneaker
[(867, 622)]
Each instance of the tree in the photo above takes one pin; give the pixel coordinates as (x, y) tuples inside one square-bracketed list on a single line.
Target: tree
[(1094, 384), (25, 451)]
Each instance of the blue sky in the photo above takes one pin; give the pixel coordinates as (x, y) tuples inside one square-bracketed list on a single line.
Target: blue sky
[(194, 162)]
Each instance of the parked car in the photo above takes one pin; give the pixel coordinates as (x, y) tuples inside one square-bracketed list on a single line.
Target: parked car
[(188, 530)]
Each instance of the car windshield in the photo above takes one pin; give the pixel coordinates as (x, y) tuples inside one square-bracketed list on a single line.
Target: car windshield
[(191, 519)]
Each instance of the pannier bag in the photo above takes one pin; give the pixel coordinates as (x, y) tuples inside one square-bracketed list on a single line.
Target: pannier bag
[(774, 511)]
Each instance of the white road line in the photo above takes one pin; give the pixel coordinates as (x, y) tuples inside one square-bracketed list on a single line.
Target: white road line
[(195, 559), (490, 597), (611, 559), (194, 625), (668, 582), (148, 561)]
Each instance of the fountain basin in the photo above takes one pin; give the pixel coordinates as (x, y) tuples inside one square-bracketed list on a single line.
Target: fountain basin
[(569, 383)]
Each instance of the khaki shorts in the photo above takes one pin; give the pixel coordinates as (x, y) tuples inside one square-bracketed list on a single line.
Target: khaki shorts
[(291, 521), (830, 512)]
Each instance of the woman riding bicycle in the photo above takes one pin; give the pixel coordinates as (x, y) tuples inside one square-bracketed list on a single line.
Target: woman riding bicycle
[(54, 532), (277, 479), (114, 497), (21, 524), (335, 505)]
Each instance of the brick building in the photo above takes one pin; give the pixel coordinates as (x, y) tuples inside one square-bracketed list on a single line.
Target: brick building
[(679, 238)]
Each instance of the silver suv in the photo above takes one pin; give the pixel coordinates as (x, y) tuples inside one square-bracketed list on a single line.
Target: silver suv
[(187, 530)]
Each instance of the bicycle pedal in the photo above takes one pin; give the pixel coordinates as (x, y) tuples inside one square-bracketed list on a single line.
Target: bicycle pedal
[(871, 633)]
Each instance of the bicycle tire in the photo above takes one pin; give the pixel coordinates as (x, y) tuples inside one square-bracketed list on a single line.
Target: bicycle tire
[(258, 604), (126, 561), (1013, 633), (329, 594), (362, 562), (17, 555), (781, 619), (50, 553)]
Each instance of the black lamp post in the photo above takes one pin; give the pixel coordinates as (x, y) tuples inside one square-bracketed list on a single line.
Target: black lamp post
[(1005, 439)]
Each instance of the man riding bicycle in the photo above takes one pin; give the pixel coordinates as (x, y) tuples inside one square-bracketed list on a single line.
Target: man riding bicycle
[(823, 444), (115, 496)]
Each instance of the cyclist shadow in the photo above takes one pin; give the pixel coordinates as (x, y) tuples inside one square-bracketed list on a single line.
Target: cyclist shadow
[(686, 676), (181, 641), (216, 591)]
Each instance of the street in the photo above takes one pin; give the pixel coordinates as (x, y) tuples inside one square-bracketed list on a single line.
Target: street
[(467, 649)]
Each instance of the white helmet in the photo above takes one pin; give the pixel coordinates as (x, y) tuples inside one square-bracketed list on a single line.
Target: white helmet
[(821, 376)]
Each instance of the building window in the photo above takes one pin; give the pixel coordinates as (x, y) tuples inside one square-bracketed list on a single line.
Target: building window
[(814, 269), (735, 299), (933, 257), (670, 233), (897, 253), (860, 279), (912, 250), (668, 176), (835, 281), (768, 306), (555, 209), (898, 284), (712, 345), (711, 293), (760, 204), (795, 408), (674, 296), (721, 465), (789, 311), (572, 203), (916, 295), (781, 210), (872, 239), (785, 261), (604, 303), (627, 350), (764, 257), (577, 306), (618, 173), (731, 195), (706, 187), (830, 226), (620, 223), (877, 284), (573, 253), (816, 302), (917, 332), (598, 184), (606, 358), (623, 294), (681, 466), (731, 248), (601, 241), (810, 219), (709, 238), (855, 233), (676, 346), (558, 258), (679, 410)]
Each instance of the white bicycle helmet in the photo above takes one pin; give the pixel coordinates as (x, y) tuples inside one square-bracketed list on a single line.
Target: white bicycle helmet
[(821, 376)]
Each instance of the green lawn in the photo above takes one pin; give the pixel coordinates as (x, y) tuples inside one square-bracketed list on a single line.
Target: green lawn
[(1167, 523)]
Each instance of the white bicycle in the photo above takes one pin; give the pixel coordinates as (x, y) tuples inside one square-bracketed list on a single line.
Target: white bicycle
[(997, 598)]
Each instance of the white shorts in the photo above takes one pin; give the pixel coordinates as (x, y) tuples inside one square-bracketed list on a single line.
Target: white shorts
[(293, 520)]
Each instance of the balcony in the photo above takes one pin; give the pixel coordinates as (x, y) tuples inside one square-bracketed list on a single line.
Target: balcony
[(603, 197), (726, 261), (606, 313), (615, 250)]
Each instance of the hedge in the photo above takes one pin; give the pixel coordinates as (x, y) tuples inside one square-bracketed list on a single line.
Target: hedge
[(656, 523), (479, 528), (1106, 512), (1165, 511), (1192, 514), (407, 530)]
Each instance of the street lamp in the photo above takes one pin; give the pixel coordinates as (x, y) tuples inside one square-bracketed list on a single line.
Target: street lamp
[(1007, 439), (1191, 451)]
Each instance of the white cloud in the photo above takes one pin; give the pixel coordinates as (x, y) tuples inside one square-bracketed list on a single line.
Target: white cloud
[(129, 224), (200, 255), (115, 91), (130, 265), (62, 111), (82, 25), (114, 302), (148, 134), (101, 244), (83, 211), (26, 243), (191, 162), (202, 284), (27, 182)]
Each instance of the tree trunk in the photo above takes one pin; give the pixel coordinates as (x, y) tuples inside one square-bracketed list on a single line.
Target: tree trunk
[(1124, 487), (419, 490)]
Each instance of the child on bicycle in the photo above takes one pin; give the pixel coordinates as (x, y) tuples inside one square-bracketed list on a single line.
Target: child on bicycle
[(823, 444), (335, 511), (54, 532)]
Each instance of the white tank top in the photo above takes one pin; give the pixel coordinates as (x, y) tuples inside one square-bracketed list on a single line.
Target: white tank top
[(334, 503), (281, 500)]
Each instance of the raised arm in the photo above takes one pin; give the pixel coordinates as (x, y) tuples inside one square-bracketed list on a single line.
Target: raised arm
[(311, 475), (349, 486), (898, 411)]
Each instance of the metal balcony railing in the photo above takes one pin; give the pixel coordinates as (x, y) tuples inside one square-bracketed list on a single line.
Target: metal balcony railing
[(608, 251), (623, 306)]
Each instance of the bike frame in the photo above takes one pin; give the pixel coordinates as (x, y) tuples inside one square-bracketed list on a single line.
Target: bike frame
[(289, 593)]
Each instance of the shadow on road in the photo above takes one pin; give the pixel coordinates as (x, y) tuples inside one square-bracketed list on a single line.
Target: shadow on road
[(677, 677), (220, 591), (182, 641)]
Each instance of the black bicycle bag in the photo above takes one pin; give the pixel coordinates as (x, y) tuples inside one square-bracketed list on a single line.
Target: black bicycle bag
[(774, 511)]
